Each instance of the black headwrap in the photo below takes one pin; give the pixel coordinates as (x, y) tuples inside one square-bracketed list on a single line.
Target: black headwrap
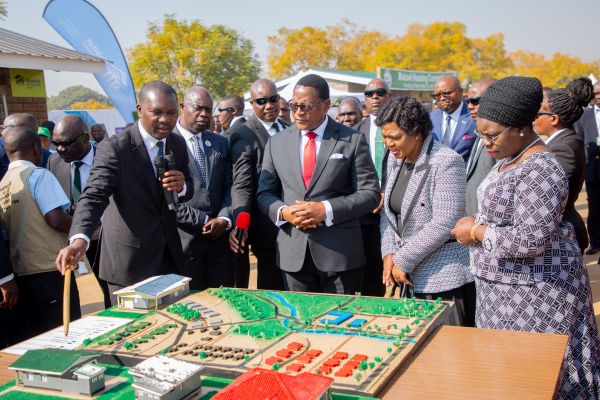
[(512, 101)]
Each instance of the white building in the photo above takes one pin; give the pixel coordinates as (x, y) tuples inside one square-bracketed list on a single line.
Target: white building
[(154, 293), (165, 378)]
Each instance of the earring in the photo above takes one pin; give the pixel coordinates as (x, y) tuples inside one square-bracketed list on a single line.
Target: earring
[(521, 134)]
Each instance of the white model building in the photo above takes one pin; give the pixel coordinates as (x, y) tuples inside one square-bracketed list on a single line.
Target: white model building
[(154, 293), (165, 378)]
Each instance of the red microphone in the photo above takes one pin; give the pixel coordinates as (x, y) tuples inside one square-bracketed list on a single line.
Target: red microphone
[(242, 223)]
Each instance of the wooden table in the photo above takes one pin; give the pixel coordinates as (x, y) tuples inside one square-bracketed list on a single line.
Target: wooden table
[(469, 363), (465, 363)]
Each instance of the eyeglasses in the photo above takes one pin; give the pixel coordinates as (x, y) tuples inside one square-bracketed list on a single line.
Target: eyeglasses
[(492, 138), (66, 143), (228, 109), (474, 101), (379, 92), (442, 94), (263, 100), (305, 107), (542, 113)]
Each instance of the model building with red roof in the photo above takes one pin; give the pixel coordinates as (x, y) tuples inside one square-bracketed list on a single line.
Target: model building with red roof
[(262, 384)]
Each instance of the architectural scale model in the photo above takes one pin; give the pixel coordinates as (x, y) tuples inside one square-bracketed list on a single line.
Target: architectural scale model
[(154, 293), (358, 342)]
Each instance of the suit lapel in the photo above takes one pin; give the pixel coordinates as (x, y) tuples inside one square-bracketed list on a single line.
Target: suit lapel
[(418, 178), (293, 155), (140, 154), (328, 142), (64, 176), (261, 133), (474, 156)]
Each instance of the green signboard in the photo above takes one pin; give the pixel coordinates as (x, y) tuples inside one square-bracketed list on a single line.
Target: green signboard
[(27, 83), (403, 79)]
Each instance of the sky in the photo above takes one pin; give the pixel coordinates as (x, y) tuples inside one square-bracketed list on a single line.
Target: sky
[(541, 26)]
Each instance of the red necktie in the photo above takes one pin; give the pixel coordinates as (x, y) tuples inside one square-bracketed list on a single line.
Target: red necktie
[(310, 158)]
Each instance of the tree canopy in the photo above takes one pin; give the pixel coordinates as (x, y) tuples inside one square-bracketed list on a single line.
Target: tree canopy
[(184, 53), (3, 10), (67, 97), (439, 46)]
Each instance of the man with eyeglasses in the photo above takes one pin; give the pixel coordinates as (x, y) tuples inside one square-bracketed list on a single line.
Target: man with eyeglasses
[(247, 148), (377, 93), (231, 113), (71, 165), (588, 128), (204, 220), (480, 162), (317, 180), (452, 123)]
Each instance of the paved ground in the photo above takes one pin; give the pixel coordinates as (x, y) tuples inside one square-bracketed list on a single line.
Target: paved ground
[(91, 297)]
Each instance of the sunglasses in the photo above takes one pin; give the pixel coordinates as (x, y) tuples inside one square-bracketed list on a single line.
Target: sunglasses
[(379, 92), (492, 138), (66, 143), (305, 107), (263, 100), (474, 101), (228, 109), (442, 94)]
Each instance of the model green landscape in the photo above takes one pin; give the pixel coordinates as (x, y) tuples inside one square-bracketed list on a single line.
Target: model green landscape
[(358, 341)]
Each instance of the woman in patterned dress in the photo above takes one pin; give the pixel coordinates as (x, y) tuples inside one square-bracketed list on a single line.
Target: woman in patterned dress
[(424, 197), (528, 269)]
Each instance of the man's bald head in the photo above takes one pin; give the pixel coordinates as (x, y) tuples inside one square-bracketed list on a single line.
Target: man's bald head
[(21, 119), (196, 109), (475, 93), (448, 93), (377, 92), (23, 143), (264, 100), (72, 134), (350, 112)]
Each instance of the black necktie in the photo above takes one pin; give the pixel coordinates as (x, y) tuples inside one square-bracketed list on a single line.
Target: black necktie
[(276, 127), (161, 151)]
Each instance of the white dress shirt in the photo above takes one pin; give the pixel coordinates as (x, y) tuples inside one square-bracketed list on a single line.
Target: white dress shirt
[(554, 135), (453, 122), (84, 168), (320, 131), (190, 138), (372, 135), (597, 115), (269, 126)]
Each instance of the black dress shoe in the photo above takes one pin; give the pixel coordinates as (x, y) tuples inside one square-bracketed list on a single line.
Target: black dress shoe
[(592, 250)]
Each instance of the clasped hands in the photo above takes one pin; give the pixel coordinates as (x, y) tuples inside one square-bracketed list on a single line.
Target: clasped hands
[(392, 274), (305, 214)]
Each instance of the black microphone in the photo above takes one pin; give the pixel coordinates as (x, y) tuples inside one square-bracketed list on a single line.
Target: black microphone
[(164, 164)]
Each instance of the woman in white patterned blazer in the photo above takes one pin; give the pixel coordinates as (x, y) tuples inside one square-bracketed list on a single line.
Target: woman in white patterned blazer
[(424, 198)]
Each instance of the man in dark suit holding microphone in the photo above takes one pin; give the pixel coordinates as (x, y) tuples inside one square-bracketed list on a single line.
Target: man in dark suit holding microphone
[(139, 233), (317, 180)]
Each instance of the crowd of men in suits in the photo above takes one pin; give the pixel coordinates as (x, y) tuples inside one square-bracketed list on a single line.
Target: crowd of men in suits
[(312, 186)]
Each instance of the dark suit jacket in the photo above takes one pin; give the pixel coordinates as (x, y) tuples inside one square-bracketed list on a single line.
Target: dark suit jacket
[(138, 227), (238, 122), (464, 134), (364, 127), (5, 265), (344, 175), (479, 165), (62, 171), (247, 145), (212, 199), (587, 130), (570, 151)]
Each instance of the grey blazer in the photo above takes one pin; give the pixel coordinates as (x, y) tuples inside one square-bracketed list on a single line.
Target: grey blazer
[(344, 175), (433, 203), (479, 165), (211, 199)]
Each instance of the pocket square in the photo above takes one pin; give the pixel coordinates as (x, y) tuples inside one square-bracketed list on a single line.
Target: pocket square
[(467, 137), (336, 156)]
